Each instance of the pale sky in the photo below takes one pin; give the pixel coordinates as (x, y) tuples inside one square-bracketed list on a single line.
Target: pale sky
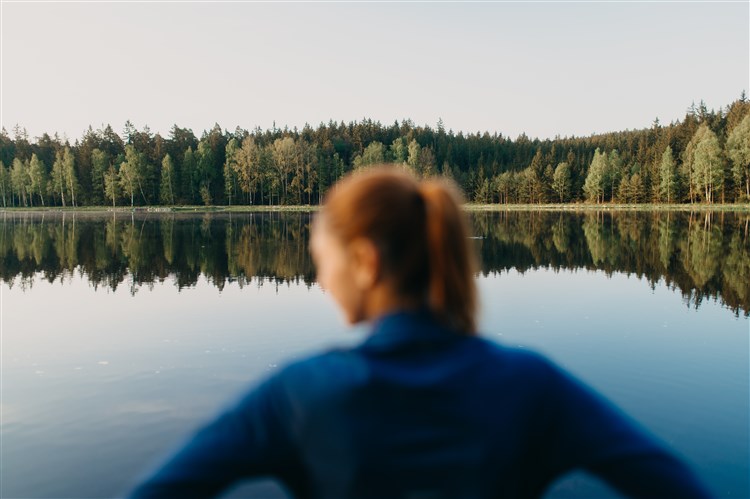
[(540, 68)]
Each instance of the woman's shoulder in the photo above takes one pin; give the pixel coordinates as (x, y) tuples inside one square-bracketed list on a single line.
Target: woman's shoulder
[(504, 367), (510, 357), (322, 373)]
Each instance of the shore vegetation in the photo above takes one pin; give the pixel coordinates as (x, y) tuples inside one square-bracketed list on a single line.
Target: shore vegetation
[(702, 159)]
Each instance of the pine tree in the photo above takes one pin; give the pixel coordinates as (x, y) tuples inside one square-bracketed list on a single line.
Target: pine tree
[(613, 172), (561, 181), (99, 167), (189, 176), (4, 184)]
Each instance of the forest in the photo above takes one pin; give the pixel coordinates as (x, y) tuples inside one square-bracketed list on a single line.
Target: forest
[(705, 158)]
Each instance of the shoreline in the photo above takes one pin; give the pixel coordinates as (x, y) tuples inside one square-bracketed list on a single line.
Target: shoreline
[(469, 207)]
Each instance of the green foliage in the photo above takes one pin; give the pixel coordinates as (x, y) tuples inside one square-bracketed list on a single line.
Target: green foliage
[(707, 164), (37, 178), (667, 176), (284, 159), (230, 171), (596, 179), (99, 167), (206, 171), (167, 185), (112, 185), (57, 184), (205, 195), (69, 174), (373, 154), (738, 151), (282, 166), (19, 180), (612, 173), (189, 176), (399, 150), (131, 173), (4, 185), (412, 158), (561, 181), (631, 189), (247, 164), (505, 185)]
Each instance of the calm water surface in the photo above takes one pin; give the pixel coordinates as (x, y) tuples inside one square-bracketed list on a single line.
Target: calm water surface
[(122, 333)]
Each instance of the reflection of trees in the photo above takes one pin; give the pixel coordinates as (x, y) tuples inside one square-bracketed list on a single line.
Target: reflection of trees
[(736, 271), (702, 252), (701, 255), (704, 255), (272, 246), (667, 241), (141, 249)]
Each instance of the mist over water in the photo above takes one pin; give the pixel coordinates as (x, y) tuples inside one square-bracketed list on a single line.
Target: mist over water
[(122, 333)]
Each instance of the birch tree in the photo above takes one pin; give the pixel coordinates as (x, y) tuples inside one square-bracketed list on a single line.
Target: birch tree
[(667, 174), (738, 151)]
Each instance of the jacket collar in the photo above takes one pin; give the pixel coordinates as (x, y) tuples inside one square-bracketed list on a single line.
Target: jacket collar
[(402, 327)]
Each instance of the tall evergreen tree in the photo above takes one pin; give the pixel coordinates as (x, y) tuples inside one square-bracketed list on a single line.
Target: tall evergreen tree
[(189, 176), (4, 184), (561, 182), (613, 172)]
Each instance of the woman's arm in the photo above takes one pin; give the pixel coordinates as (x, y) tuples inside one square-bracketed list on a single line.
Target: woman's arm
[(247, 440), (588, 432)]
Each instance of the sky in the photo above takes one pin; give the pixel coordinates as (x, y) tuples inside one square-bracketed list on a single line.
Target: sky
[(544, 69)]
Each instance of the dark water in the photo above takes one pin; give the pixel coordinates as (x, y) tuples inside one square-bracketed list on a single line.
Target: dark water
[(121, 333)]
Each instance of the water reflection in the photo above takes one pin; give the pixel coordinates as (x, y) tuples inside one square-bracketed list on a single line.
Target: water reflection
[(704, 255)]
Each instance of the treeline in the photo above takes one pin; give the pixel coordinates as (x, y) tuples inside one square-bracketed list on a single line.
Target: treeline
[(703, 158), (705, 255)]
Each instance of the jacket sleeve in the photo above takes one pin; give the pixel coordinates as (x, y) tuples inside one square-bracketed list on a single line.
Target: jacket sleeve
[(586, 431), (249, 439)]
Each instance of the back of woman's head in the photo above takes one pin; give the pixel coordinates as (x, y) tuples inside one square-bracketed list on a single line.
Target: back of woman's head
[(420, 234)]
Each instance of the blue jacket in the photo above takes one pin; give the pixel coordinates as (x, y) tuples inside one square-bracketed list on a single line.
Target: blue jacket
[(419, 411)]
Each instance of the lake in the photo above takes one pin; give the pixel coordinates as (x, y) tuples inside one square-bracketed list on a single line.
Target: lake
[(123, 332)]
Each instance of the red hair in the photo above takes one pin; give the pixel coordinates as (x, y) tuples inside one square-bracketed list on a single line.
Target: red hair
[(420, 233)]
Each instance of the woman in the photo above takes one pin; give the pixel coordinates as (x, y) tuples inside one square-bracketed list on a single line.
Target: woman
[(423, 408)]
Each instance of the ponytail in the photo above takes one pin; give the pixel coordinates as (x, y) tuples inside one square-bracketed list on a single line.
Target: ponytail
[(451, 291), (420, 233)]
